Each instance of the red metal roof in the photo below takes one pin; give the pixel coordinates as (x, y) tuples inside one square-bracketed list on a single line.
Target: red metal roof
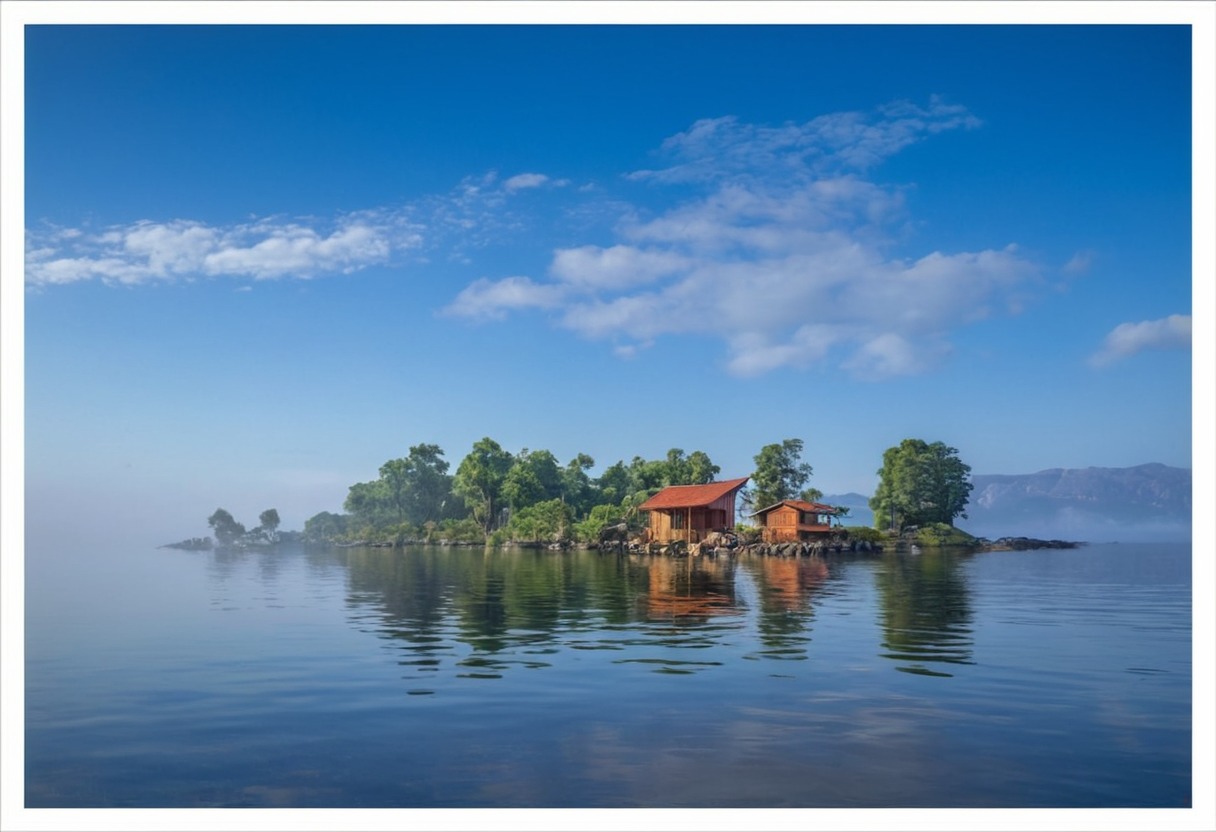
[(692, 496), (801, 505)]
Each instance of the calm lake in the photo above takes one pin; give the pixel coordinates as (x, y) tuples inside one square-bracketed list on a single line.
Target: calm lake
[(438, 677)]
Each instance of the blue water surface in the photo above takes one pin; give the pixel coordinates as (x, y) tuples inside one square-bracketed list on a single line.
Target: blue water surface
[(450, 677)]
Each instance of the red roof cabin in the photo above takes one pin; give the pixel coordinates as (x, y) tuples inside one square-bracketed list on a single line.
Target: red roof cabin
[(690, 512), (790, 521)]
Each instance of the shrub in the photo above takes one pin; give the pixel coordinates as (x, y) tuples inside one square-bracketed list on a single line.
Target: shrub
[(943, 534), (865, 533)]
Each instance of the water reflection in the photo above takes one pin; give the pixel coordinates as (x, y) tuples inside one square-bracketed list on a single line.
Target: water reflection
[(487, 612), (696, 589), (786, 587), (484, 612), (460, 678), (925, 612)]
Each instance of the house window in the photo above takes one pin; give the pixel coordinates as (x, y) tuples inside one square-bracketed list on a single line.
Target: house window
[(677, 520)]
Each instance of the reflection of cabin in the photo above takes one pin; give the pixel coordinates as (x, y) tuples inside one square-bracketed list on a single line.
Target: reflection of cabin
[(678, 588), (689, 512), (793, 520), (789, 581)]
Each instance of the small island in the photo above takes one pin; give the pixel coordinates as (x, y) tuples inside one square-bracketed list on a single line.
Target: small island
[(672, 506)]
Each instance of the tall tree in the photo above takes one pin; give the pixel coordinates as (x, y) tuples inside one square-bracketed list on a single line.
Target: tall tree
[(647, 475), (532, 478), (394, 474), (227, 529), (479, 479), (325, 527), (780, 474), (369, 503), (429, 488), (920, 483), (614, 483), (269, 520), (676, 468), (577, 489), (701, 469)]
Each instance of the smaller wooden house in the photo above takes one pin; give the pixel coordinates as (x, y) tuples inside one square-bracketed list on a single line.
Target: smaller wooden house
[(690, 512), (793, 520)]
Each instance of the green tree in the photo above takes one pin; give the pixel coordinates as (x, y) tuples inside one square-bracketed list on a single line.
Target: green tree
[(780, 474), (428, 485), (325, 527), (920, 483), (577, 488), (532, 478), (676, 471), (370, 503), (479, 479), (614, 483), (269, 520), (648, 475), (546, 521), (701, 469), (394, 476), (417, 488), (226, 529)]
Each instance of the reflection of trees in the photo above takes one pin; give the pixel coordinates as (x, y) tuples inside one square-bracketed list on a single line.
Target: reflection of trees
[(926, 614), (409, 590), (490, 601), (786, 587)]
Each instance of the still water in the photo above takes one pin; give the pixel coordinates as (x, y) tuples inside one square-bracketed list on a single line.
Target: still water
[(435, 677)]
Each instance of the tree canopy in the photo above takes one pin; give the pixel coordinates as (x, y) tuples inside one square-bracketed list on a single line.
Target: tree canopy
[(920, 483), (780, 474), (229, 532), (480, 477)]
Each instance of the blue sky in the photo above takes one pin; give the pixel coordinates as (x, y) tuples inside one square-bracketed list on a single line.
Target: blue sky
[(260, 261)]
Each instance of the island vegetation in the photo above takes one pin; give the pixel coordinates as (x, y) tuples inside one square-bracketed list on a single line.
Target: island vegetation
[(495, 497)]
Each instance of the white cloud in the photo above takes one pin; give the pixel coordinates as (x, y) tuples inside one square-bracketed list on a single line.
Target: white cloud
[(891, 354), (301, 252), (492, 299), (724, 148), (147, 251), (782, 255), (471, 215), (1125, 340), (1079, 263), (525, 180), (617, 267)]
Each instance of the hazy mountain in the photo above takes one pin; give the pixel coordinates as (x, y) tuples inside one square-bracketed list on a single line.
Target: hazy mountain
[(1140, 503), (1144, 502), (857, 504)]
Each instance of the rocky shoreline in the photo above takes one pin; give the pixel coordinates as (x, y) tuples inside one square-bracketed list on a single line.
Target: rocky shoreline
[(1018, 544), (838, 545), (715, 546)]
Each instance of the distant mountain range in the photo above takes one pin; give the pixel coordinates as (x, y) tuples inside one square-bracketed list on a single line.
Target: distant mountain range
[(1144, 502)]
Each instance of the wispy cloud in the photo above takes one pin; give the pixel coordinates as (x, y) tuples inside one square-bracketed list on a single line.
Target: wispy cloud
[(180, 249), (1128, 339), (493, 299), (782, 254), (525, 181), (476, 211), (725, 148), (1079, 264)]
